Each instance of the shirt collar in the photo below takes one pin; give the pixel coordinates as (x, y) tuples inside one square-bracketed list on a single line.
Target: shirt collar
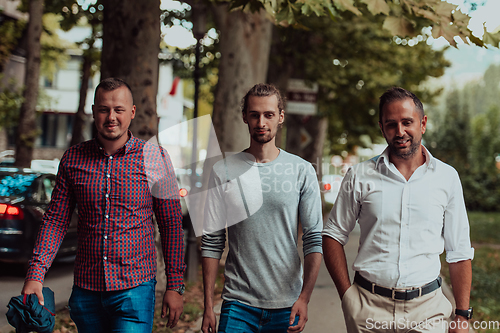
[(125, 149), (430, 160)]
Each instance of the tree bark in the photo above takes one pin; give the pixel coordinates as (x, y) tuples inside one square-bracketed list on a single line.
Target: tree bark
[(131, 43), (245, 42), (27, 131), (80, 117)]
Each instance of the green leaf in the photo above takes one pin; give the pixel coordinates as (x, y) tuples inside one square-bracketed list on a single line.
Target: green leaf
[(445, 9), (312, 6), (399, 26), (491, 38), (476, 40), (428, 14), (346, 5), (461, 19), (448, 32), (377, 6)]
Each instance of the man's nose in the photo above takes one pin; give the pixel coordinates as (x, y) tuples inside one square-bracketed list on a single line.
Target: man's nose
[(261, 121), (400, 130), (111, 115)]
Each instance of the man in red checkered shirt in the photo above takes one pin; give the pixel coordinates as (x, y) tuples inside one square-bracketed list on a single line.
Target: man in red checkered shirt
[(117, 181)]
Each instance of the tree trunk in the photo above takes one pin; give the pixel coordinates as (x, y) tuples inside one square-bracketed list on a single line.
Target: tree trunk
[(131, 43), (27, 131), (80, 116), (245, 41)]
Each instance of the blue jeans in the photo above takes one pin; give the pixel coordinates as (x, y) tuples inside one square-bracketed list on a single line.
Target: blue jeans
[(236, 317), (129, 310)]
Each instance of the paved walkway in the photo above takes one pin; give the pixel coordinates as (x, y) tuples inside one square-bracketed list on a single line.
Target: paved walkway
[(325, 311)]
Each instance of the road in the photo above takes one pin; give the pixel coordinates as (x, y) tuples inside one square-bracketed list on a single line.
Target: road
[(59, 278)]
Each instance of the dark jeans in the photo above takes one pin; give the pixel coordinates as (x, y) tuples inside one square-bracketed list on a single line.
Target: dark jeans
[(237, 317), (129, 310)]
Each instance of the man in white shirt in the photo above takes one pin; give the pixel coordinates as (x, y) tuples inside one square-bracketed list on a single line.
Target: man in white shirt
[(409, 207)]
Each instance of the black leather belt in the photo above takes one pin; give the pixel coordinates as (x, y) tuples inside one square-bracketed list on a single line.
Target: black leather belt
[(397, 294)]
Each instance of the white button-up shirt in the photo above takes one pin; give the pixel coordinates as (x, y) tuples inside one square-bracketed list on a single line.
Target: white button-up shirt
[(405, 225)]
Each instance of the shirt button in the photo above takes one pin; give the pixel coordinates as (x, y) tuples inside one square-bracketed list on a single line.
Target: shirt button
[(106, 237), (105, 258), (107, 216), (107, 175), (111, 157), (107, 195)]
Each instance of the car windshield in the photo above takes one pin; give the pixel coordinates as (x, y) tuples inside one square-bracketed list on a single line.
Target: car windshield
[(15, 184)]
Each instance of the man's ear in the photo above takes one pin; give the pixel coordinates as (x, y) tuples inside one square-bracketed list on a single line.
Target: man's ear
[(282, 117), (243, 114)]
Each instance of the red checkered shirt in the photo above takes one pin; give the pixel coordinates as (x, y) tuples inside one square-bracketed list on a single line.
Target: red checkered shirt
[(116, 196)]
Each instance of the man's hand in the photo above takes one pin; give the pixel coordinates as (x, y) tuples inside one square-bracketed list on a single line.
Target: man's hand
[(33, 287), (459, 325), (175, 305), (209, 321), (299, 308)]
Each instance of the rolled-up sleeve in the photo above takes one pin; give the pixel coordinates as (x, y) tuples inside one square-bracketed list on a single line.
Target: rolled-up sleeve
[(456, 226), (310, 213), (344, 213), (213, 240)]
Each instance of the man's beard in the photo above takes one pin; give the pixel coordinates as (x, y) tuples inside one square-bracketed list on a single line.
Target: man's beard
[(406, 153), (263, 138)]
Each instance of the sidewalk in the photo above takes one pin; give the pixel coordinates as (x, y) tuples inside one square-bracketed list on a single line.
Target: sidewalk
[(325, 311)]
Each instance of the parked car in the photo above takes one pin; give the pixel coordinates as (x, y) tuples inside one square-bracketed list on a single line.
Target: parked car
[(24, 197)]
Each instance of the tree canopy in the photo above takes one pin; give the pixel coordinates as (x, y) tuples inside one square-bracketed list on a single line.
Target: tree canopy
[(354, 61), (404, 18)]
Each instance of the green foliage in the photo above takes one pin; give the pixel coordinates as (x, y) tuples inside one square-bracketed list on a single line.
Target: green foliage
[(54, 49), (485, 293), (402, 18), (10, 32), (354, 61), (484, 227), (467, 136), (11, 99)]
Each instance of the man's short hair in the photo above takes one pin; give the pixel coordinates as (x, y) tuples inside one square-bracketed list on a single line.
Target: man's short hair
[(398, 94), (263, 90), (110, 84)]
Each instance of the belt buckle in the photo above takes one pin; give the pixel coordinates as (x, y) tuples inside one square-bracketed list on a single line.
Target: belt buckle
[(419, 291), (393, 296)]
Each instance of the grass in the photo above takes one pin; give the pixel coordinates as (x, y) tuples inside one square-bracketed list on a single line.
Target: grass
[(485, 293), (485, 227)]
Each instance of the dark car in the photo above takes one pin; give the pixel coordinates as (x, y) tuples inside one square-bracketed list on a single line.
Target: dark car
[(24, 197)]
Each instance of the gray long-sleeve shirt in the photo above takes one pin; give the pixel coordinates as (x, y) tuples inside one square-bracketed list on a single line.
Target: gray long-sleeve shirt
[(261, 204)]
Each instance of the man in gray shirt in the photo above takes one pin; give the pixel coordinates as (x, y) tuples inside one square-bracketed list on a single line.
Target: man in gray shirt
[(259, 195)]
